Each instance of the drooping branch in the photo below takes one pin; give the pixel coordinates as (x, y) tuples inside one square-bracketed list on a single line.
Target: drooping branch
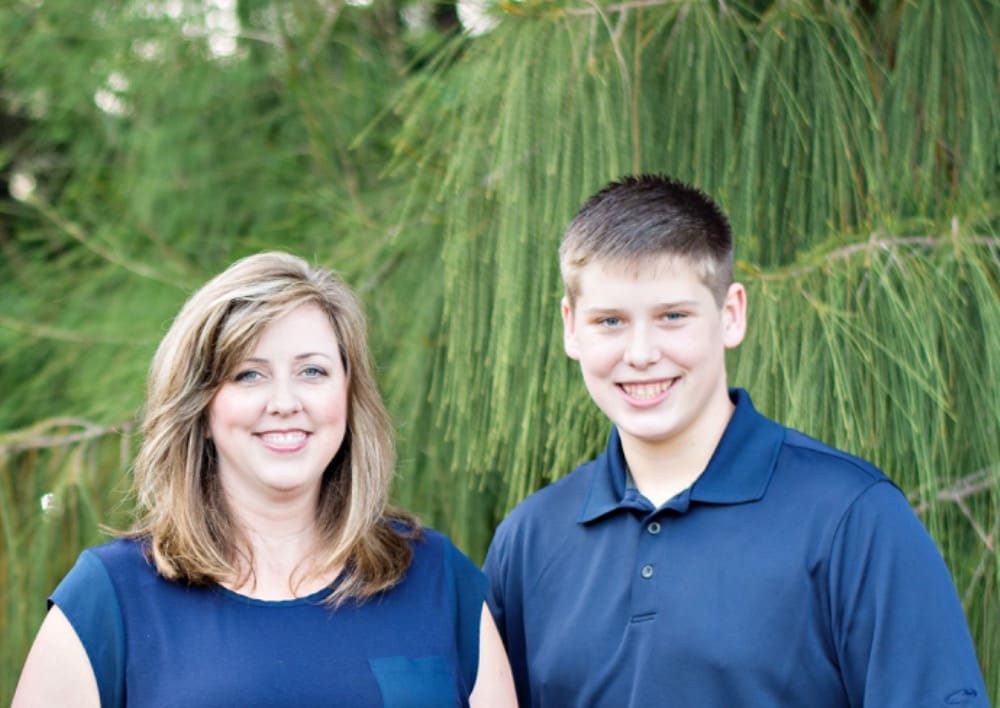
[(620, 7), (957, 493), (875, 243), (40, 331), (74, 231), (40, 436)]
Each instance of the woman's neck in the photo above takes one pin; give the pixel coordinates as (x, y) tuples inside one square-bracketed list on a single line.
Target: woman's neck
[(281, 548)]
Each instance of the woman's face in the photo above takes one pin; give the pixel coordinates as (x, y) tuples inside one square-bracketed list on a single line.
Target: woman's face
[(281, 416)]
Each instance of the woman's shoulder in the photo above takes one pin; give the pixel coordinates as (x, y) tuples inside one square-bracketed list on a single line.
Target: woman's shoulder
[(436, 550), (120, 553), (427, 560), (424, 541), (429, 542), (123, 561)]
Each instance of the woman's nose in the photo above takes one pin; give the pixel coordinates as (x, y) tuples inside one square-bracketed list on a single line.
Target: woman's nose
[(283, 399)]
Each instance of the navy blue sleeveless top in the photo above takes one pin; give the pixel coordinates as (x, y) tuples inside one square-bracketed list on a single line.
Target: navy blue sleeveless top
[(152, 642)]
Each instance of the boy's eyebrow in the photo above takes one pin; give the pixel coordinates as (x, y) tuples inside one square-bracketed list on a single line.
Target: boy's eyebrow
[(680, 303), (598, 309)]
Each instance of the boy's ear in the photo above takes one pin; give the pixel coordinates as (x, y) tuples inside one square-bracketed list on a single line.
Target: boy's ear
[(734, 315), (569, 330)]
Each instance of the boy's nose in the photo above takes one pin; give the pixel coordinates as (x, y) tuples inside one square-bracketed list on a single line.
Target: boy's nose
[(641, 351)]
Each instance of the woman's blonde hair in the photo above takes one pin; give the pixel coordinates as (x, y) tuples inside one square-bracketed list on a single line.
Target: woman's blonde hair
[(182, 514)]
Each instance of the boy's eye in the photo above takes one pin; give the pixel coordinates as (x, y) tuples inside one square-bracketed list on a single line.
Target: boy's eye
[(673, 316), (609, 321)]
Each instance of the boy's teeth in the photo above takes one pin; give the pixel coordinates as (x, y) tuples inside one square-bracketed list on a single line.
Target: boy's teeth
[(646, 390)]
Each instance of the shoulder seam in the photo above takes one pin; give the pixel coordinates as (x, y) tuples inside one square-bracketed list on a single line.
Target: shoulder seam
[(821, 448)]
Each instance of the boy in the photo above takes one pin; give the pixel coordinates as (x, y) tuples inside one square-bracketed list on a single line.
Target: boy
[(709, 557)]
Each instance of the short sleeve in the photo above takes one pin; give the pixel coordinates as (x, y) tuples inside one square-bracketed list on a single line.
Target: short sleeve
[(900, 632), (86, 596), (468, 586), (504, 599)]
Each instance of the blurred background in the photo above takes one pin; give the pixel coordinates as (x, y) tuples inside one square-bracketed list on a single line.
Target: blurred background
[(433, 153)]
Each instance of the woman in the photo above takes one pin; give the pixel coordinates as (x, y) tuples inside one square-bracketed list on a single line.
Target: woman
[(266, 567)]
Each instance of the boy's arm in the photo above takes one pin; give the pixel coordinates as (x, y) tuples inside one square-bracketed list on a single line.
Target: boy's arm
[(504, 598), (900, 633)]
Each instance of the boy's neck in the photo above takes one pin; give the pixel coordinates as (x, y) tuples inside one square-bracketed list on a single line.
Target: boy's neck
[(663, 469)]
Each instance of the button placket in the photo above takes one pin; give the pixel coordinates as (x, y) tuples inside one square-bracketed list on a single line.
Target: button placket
[(645, 595)]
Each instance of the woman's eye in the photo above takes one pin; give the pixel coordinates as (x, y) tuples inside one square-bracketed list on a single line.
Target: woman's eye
[(314, 372), (248, 376)]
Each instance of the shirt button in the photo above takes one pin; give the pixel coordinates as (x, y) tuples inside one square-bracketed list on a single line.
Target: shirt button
[(647, 571), (654, 528)]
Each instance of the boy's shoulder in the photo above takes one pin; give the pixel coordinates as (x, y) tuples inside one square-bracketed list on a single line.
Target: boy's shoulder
[(802, 453), (558, 502), (757, 446)]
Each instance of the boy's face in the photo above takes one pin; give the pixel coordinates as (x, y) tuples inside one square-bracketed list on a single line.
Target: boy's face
[(651, 344)]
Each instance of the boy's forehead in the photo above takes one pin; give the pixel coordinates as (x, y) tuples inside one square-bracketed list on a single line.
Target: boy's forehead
[(666, 279), (666, 267)]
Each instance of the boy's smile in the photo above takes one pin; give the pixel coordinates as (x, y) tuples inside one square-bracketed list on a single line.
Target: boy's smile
[(648, 393), (651, 343)]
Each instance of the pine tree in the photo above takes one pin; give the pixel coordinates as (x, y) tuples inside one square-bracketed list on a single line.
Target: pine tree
[(146, 145), (855, 147)]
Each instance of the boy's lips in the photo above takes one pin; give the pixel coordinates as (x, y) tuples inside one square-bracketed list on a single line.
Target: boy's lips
[(647, 392)]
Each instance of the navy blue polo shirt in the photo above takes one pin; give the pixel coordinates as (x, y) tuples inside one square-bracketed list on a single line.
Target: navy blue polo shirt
[(788, 574)]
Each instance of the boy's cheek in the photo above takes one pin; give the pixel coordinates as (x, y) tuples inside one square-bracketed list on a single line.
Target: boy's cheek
[(596, 358)]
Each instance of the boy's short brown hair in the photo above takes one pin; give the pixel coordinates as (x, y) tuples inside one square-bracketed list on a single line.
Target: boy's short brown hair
[(638, 218)]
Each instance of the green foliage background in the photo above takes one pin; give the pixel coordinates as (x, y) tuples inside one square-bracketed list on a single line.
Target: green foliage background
[(854, 144)]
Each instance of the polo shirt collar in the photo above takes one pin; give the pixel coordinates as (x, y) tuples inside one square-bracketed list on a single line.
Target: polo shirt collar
[(739, 471)]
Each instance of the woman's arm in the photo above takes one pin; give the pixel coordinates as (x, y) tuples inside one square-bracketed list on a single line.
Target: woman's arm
[(494, 682), (57, 671)]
